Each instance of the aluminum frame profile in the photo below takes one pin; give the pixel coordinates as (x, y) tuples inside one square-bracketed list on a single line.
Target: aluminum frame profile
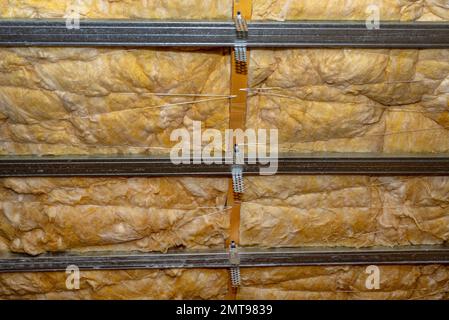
[(338, 34), (307, 256), (160, 33), (341, 164)]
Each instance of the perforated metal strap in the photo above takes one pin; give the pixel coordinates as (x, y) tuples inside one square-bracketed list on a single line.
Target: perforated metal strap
[(240, 55), (236, 279), (234, 259), (237, 116), (237, 179), (241, 58), (241, 27)]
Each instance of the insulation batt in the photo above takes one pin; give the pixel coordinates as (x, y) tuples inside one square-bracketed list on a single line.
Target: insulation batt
[(396, 282), (118, 9), (426, 10), (345, 100), (107, 101), (353, 211), (86, 214), (405, 10), (345, 282), (118, 284)]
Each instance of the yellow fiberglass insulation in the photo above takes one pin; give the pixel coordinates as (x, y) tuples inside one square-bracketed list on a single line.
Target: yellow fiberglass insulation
[(336, 282), (66, 101), (345, 100), (118, 284), (426, 10), (353, 211), (404, 10), (103, 101), (345, 282), (86, 214), (118, 9)]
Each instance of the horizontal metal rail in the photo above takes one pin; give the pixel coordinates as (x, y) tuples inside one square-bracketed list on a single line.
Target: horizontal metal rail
[(348, 34), (333, 164), (147, 33), (220, 259)]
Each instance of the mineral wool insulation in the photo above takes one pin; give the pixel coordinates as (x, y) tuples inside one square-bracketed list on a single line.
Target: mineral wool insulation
[(66, 101)]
